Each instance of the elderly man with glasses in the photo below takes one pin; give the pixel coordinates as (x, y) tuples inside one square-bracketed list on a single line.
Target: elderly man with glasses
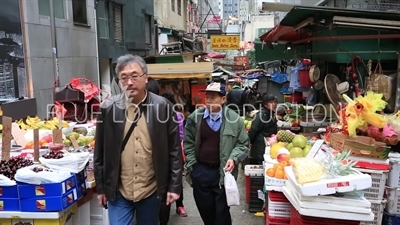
[(137, 159)]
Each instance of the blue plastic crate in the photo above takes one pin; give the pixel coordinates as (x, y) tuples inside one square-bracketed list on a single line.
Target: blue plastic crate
[(46, 190), (390, 219), (49, 204), (9, 192), (9, 204)]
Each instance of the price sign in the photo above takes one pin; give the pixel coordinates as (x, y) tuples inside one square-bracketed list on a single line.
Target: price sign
[(57, 136)]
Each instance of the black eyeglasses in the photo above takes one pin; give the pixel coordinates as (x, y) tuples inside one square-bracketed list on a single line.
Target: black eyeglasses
[(132, 78)]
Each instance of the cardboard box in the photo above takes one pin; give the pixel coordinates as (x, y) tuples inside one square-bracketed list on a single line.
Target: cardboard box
[(49, 204), (47, 190), (9, 192), (9, 204), (360, 146)]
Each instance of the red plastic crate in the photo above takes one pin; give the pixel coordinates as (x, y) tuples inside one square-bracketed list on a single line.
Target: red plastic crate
[(297, 219), (275, 196)]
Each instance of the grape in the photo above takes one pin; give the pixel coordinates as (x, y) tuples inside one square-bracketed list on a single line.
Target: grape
[(22, 223), (54, 155), (9, 168)]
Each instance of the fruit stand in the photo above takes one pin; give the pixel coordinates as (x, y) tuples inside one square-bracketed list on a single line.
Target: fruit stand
[(348, 175), (46, 173)]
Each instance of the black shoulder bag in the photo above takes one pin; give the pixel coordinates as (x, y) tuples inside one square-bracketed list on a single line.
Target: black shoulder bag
[(132, 127)]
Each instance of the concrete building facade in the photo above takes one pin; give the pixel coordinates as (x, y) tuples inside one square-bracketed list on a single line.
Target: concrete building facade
[(123, 26), (75, 35)]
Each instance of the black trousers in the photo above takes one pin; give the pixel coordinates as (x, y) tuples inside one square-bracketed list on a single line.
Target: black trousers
[(209, 196), (165, 210)]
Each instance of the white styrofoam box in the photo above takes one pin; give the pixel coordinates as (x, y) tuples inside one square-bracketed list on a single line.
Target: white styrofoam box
[(350, 202), (393, 200), (377, 189), (253, 170), (325, 213), (352, 182), (377, 207), (394, 174)]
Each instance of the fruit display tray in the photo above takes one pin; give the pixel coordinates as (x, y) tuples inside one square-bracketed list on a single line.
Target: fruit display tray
[(353, 182)]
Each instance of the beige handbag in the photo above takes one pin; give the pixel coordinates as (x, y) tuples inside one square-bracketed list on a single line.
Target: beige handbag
[(380, 83)]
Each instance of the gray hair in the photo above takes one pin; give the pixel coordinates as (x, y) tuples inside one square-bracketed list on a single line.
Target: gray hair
[(127, 59)]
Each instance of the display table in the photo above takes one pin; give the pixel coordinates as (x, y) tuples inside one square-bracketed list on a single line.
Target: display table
[(86, 211)]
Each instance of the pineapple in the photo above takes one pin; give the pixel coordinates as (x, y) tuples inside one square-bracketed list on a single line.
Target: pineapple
[(285, 136), (307, 170), (339, 164)]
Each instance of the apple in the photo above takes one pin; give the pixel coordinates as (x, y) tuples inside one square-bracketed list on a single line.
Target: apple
[(296, 152), (48, 138), (299, 141), (289, 146), (306, 150), (283, 157)]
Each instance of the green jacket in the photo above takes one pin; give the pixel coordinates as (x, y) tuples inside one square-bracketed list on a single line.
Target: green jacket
[(234, 140)]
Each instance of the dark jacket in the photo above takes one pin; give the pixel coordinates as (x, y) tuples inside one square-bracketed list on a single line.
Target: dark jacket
[(166, 147), (264, 125), (236, 98)]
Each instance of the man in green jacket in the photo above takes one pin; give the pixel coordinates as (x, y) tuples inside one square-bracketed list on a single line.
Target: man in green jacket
[(215, 142)]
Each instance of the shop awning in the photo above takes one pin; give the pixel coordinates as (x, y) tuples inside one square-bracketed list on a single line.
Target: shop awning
[(180, 70), (291, 26), (280, 33)]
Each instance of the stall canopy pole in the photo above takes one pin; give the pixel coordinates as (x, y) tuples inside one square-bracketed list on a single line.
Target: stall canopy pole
[(54, 46), (397, 104)]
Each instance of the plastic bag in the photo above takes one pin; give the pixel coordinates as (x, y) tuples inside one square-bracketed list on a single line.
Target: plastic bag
[(231, 190), (6, 182), (45, 176), (71, 162)]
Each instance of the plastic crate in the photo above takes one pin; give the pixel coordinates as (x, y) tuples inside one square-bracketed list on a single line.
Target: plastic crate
[(255, 204), (394, 174), (377, 190), (393, 200), (377, 207), (271, 220), (278, 205), (297, 219), (254, 170), (390, 219)]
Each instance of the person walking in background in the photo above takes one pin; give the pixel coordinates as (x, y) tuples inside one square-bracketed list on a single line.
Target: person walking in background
[(165, 210), (237, 97), (215, 141), (136, 168), (153, 86), (263, 125), (180, 209)]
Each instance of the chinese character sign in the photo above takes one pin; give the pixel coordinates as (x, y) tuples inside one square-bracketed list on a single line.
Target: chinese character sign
[(242, 62), (224, 42)]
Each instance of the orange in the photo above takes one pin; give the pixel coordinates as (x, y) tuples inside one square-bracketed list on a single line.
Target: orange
[(280, 174), (284, 163), (270, 172)]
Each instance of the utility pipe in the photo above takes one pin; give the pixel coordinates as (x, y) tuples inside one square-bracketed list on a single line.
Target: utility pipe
[(54, 48)]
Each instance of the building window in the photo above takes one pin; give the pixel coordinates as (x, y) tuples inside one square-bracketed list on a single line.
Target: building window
[(117, 22), (179, 7), (102, 20), (173, 5), (58, 8), (79, 11), (147, 28)]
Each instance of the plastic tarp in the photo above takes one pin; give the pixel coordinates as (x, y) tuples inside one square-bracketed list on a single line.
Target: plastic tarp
[(254, 75), (279, 77)]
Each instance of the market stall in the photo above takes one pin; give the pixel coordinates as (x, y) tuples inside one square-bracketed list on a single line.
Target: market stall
[(347, 175), (184, 80)]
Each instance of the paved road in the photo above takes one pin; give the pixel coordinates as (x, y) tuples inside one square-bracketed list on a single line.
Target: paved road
[(240, 214)]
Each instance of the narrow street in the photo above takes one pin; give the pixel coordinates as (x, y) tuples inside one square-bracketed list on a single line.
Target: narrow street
[(240, 214)]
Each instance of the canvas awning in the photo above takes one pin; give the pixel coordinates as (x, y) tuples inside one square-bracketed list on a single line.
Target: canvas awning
[(180, 70)]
